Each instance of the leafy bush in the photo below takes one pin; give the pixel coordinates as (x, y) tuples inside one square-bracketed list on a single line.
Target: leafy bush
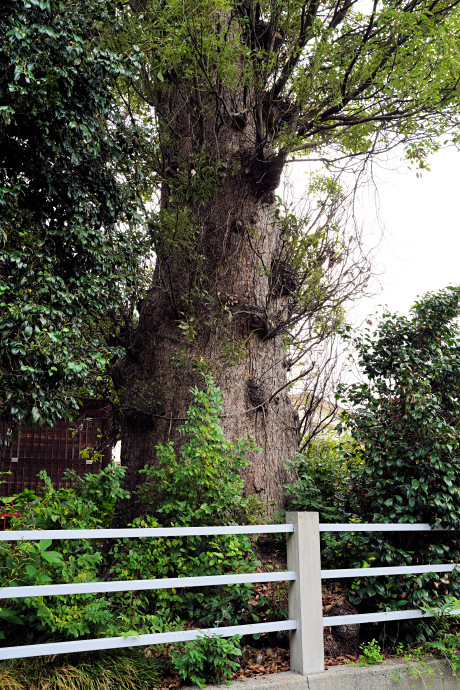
[(203, 486), (34, 563), (88, 504), (326, 479), (405, 418), (200, 487), (328, 483), (208, 659)]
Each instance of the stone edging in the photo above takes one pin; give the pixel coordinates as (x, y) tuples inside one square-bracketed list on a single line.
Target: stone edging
[(395, 675)]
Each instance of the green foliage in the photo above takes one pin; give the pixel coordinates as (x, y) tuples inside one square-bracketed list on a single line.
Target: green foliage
[(444, 640), (326, 479), (371, 653), (330, 77), (210, 659), (328, 483), (103, 489), (203, 485), (405, 419), (86, 505), (64, 561), (63, 259), (200, 487), (126, 669)]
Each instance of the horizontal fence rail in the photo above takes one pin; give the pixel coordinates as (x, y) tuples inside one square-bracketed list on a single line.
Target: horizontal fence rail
[(135, 641), (383, 616), (130, 532), (379, 616), (388, 570), (136, 585), (304, 576), (381, 527)]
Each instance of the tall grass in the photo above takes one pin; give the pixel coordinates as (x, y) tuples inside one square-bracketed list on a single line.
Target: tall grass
[(119, 670)]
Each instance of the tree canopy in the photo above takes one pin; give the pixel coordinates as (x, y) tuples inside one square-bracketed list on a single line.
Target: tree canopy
[(320, 76), (63, 259)]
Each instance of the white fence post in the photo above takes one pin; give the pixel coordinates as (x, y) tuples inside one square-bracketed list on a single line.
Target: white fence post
[(305, 601)]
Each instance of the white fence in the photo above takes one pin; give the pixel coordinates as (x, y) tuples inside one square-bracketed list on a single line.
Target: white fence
[(304, 575)]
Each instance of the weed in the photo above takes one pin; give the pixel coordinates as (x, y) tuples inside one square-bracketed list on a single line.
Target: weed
[(372, 653), (208, 659)]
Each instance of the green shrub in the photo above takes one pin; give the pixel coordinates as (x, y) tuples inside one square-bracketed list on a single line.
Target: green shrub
[(404, 417), (200, 487), (203, 485), (208, 659), (327, 483), (326, 479), (36, 619)]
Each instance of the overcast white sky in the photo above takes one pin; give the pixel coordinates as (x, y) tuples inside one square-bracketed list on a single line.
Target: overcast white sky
[(417, 221), (420, 247)]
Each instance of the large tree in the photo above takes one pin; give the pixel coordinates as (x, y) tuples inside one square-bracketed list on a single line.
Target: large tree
[(230, 91), (234, 89)]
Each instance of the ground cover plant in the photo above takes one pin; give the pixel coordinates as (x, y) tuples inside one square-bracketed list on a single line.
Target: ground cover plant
[(208, 659)]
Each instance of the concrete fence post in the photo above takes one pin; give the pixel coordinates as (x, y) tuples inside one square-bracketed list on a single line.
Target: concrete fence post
[(305, 601)]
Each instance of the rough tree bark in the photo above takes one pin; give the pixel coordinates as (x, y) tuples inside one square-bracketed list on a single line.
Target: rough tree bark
[(235, 327)]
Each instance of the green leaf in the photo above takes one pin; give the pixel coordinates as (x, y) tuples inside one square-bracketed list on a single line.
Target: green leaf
[(53, 557), (10, 617)]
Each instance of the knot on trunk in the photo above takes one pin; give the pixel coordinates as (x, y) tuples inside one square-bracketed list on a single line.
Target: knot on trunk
[(258, 392), (258, 321), (265, 174), (237, 224), (265, 325), (284, 279), (239, 120)]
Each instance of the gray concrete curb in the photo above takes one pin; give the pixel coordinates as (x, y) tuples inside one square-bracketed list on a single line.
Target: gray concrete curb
[(397, 675)]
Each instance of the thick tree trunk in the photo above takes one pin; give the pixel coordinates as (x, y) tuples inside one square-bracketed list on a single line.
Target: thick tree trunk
[(234, 323)]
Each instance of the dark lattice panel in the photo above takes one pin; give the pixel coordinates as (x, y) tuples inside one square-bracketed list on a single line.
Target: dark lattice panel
[(53, 449)]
